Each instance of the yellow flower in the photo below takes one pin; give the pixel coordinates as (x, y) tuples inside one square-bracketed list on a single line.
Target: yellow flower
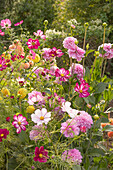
[(22, 92), (1, 98), (37, 59), (5, 91), (30, 109), (6, 55)]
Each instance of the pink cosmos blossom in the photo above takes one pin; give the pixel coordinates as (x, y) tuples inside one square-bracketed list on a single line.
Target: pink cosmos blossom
[(37, 132), (41, 116), (83, 120), (72, 156), (3, 134), (82, 89), (107, 51), (41, 155), (5, 23), (2, 64), (62, 74), (2, 33), (76, 53), (55, 53), (69, 42), (34, 97), (69, 128), (46, 53), (18, 23), (77, 69), (33, 54), (33, 44), (19, 123), (40, 34), (52, 70)]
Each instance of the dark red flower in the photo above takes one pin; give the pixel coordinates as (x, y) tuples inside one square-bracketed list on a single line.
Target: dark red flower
[(41, 155), (8, 119), (3, 134)]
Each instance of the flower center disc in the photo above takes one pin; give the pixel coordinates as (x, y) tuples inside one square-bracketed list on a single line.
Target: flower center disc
[(40, 155), (80, 91), (41, 118), (19, 123), (2, 135), (62, 75)]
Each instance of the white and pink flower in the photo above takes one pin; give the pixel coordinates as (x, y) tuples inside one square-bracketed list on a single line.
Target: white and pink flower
[(5, 23), (62, 74), (34, 97), (40, 34)]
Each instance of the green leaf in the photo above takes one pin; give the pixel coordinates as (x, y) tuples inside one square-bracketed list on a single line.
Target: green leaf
[(106, 95), (96, 152), (108, 128), (88, 52), (76, 167), (100, 87)]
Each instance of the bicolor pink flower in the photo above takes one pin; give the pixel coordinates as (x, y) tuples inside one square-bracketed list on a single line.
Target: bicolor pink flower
[(46, 53), (52, 70), (55, 53), (69, 128), (2, 33), (62, 74), (18, 23), (37, 132), (40, 34), (69, 42), (41, 116), (33, 54), (19, 123), (34, 97), (5, 23), (2, 64), (41, 155), (83, 120), (77, 69), (3, 134), (82, 89), (76, 53), (33, 44), (72, 156), (106, 50)]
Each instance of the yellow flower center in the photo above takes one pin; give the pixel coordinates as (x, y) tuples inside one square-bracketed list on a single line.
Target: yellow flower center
[(33, 43), (62, 75), (2, 135), (80, 91), (41, 118), (40, 155), (19, 123), (0, 65)]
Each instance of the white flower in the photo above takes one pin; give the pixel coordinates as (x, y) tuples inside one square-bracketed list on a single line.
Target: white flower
[(41, 116)]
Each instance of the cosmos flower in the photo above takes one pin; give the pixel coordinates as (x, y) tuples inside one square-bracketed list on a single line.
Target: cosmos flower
[(5, 23), (41, 155), (33, 44), (3, 134)]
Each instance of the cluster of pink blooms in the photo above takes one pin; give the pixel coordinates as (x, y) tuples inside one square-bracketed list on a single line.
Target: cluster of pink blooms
[(19, 123), (50, 54), (40, 34), (2, 33), (33, 44), (62, 74), (77, 69), (3, 134), (72, 156), (34, 97), (2, 64), (82, 89), (18, 23), (41, 154), (73, 50), (5, 23), (106, 50), (37, 132)]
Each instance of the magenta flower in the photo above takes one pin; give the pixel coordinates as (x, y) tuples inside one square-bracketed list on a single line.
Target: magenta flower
[(8, 119), (33, 44), (69, 128), (2, 33), (77, 69), (40, 34), (34, 97), (69, 42), (83, 129), (82, 89), (72, 156), (62, 74), (41, 155), (2, 64), (3, 134), (18, 23), (19, 123), (5, 23), (55, 53)]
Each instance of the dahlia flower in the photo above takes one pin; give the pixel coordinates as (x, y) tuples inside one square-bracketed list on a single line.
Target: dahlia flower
[(106, 51), (77, 69), (69, 42), (3, 134), (41, 155)]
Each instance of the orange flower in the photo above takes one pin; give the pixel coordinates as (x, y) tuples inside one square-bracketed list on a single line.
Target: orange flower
[(111, 121), (110, 134), (104, 124)]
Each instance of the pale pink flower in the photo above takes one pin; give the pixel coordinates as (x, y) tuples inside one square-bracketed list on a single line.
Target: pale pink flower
[(5, 23), (40, 34), (19, 123), (69, 42), (37, 132), (106, 51), (34, 97), (33, 44), (62, 74), (72, 156), (77, 69), (41, 116)]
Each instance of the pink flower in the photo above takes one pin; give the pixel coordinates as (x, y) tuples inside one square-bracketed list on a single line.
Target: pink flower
[(55, 53), (33, 54), (83, 129), (76, 53), (34, 97), (2, 33), (18, 23), (6, 23), (40, 34), (77, 69), (8, 119), (83, 120), (19, 123), (72, 156), (62, 74), (3, 134), (33, 44), (41, 116), (82, 89), (107, 51), (2, 64), (69, 42), (69, 128), (41, 155), (37, 132)]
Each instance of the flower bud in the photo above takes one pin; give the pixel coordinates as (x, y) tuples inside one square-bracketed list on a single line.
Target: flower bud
[(96, 117), (46, 22), (104, 24), (86, 24)]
